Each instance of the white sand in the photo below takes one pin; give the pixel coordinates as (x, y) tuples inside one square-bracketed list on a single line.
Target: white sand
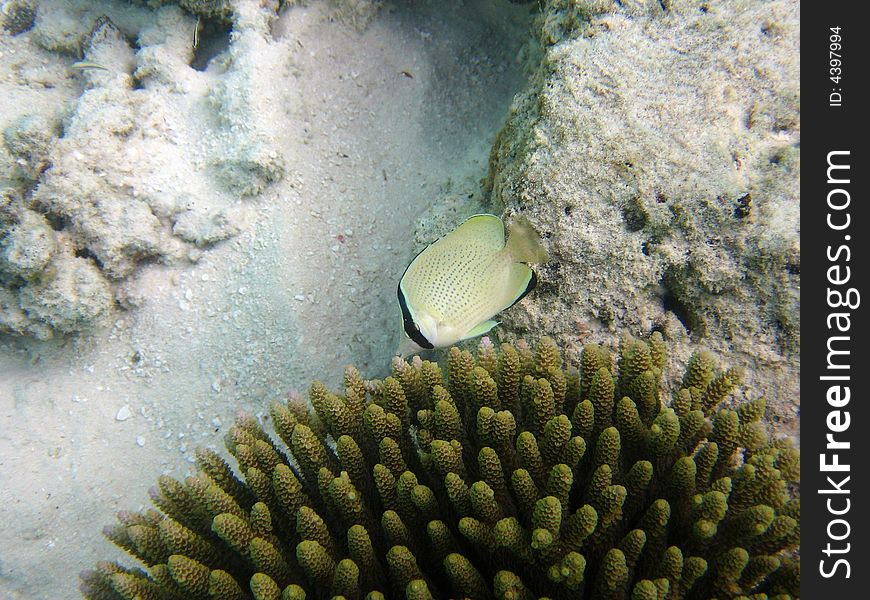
[(89, 422)]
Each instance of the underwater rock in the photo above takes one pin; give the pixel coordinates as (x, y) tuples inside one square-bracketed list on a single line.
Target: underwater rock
[(75, 298), (29, 139), (13, 319), (247, 170), (248, 156), (26, 247), (203, 229), (65, 27), (18, 16), (659, 150), (91, 187), (505, 475), (208, 8), (356, 13), (119, 230)]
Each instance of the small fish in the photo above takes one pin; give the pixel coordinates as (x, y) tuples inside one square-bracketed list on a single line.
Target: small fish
[(454, 287), (196, 29), (84, 65)]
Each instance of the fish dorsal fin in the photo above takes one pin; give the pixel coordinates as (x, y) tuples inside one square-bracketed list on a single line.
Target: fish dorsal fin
[(480, 230)]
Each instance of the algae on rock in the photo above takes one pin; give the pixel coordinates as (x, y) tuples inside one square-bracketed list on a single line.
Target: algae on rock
[(659, 150)]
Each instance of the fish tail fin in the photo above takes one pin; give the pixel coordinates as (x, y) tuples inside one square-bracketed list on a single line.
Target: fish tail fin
[(524, 244)]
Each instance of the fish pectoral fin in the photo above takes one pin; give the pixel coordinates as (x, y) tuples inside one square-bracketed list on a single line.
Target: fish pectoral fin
[(480, 329)]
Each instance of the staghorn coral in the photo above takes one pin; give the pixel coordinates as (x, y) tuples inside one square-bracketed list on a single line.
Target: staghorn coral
[(511, 477)]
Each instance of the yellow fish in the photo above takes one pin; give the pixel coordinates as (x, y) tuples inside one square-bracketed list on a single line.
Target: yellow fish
[(454, 287)]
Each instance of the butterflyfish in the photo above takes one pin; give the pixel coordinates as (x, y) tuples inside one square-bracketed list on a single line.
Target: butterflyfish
[(452, 290)]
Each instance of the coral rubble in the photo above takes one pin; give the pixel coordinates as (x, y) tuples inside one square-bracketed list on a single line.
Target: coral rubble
[(511, 477), (137, 157)]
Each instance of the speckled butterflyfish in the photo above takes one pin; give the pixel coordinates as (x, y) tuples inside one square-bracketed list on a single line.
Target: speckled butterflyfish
[(452, 290)]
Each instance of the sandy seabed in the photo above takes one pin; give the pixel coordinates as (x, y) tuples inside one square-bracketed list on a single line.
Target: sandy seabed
[(374, 126)]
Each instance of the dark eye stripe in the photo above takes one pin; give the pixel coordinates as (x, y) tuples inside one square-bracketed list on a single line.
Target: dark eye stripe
[(408, 322)]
